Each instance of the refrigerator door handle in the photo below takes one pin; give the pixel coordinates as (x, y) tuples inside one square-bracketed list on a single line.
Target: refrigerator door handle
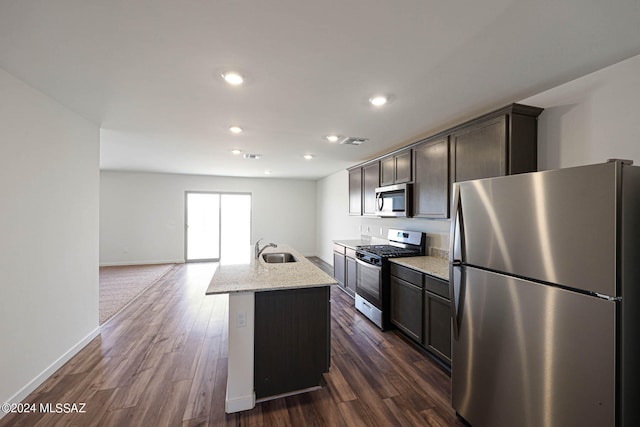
[(453, 262), (454, 220)]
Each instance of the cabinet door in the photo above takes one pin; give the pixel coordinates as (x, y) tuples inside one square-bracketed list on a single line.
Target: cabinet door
[(431, 179), (355, 191), (387, 170), (437, 325), (351, 276), (402, 167), (396, 168), (480, 151), (338, 267), (406, 307), (371, 177)]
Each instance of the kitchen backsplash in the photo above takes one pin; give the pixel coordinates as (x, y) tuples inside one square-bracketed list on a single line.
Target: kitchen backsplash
[(439, 253)]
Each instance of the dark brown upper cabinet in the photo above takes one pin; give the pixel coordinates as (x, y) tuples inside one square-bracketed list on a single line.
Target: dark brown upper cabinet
[(503, 142), (371, 180), (355, 191), (431, 178), (396, 168)]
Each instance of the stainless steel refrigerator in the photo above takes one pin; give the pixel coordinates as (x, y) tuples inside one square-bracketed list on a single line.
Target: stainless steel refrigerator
[(545, 273)]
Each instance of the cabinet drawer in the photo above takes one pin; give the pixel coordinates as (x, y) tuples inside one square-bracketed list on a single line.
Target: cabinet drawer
[(350, 253), (412, 276), (338, 248), (437, 286)]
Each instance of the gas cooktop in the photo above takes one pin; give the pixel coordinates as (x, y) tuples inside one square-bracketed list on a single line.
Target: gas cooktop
[(389, 251)]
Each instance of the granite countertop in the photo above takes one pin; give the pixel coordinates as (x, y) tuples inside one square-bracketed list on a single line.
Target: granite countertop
[(433, 266), (251, 275), (352, 243)]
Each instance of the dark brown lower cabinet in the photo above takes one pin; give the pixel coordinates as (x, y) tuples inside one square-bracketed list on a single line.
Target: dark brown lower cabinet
[(406, 307), (437, 325), (351, 272), (420, 308), (292, 340), (344, 268), (338, 267)]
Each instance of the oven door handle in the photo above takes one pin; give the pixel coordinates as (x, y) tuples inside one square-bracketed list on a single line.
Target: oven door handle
[(367, 265)]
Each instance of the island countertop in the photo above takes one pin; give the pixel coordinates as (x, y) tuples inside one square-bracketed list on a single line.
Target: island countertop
[(255, 275)]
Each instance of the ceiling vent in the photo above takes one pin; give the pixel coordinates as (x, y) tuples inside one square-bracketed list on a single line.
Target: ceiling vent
[(252, 156), (351, 140)]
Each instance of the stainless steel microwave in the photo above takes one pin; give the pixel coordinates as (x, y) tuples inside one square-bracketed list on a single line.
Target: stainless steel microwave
[(394, 200)]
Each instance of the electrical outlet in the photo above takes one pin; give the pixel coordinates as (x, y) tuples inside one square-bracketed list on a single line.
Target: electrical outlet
[(368, 230), (241, 320), (125, 249), (381, 231)]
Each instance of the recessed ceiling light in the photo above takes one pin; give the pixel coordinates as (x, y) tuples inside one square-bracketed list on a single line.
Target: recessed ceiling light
[(268, 172), (235, 129), (378, 100), (308, 156), (332, 138), (236, 151), (233, 78)]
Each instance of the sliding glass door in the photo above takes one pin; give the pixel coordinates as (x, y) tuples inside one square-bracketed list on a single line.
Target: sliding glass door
[(218, 225)]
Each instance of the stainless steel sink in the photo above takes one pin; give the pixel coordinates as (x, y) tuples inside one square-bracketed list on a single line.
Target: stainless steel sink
[(278, 257)]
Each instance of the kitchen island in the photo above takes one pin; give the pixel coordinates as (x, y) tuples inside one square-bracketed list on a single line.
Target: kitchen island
[(279, 334)]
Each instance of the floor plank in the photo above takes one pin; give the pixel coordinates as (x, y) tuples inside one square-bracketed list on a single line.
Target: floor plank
[(163, 361)]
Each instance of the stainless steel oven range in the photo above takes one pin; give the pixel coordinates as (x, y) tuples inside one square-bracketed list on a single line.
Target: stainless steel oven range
[(373, 279)]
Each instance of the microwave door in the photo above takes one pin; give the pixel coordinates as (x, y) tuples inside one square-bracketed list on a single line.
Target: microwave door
[(387, 205), (393, 201)]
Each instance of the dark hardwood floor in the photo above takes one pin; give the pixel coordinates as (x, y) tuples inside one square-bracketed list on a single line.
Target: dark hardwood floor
[(162, 362)]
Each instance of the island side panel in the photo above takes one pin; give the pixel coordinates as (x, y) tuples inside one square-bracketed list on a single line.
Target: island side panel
[(292, 340), (240, 393)]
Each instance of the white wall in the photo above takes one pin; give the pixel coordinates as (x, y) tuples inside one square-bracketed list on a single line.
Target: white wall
[(591, 119), (333, 221), (49, 233), (143, 213), (585, 121)]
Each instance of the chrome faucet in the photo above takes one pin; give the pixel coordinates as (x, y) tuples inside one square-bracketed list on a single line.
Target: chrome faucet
[(259, 251)]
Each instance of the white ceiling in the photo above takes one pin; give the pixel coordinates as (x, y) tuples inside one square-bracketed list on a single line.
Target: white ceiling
[(148, 71)]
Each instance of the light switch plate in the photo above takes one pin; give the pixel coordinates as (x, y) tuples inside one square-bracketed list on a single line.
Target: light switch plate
[(241, 319)]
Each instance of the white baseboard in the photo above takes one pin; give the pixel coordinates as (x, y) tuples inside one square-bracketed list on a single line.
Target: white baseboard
[(239, 404), (120, 263), (35, 383)]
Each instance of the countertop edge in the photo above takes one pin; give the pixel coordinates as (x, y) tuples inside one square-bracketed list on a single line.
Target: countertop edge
[(263, 289), (239, 278), (437, 273), (351, 243)]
